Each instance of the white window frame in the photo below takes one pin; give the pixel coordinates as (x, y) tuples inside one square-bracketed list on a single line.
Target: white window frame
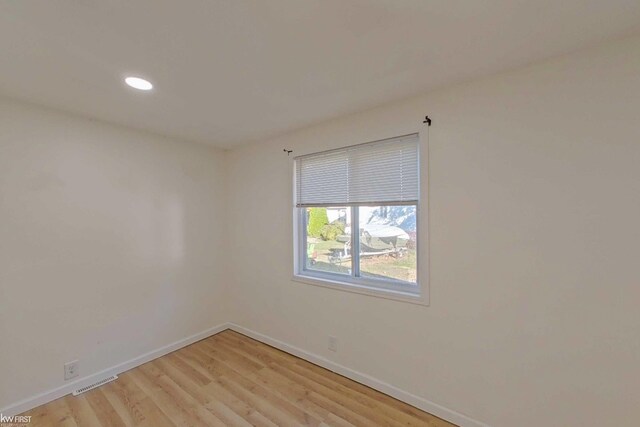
[(386, 288)]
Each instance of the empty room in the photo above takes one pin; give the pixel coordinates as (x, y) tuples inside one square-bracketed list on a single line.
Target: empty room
[(320, 213)]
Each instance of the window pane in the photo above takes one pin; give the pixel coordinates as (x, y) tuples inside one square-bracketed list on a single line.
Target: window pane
[(388, 242), (328, 239)]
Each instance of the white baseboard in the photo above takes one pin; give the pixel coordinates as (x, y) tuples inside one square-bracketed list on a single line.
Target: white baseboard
[(404, 396), (48, 396)]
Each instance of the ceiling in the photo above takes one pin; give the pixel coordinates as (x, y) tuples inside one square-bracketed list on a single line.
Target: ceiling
[(228, 72)]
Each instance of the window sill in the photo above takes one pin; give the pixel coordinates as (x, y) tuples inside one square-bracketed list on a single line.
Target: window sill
[(360, 289)]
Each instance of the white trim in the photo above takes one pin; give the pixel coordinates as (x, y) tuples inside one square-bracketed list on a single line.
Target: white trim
[(404, 396), (361, 289), (48, 396)]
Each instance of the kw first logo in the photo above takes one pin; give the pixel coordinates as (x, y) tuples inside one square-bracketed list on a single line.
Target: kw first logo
[(15, 419)]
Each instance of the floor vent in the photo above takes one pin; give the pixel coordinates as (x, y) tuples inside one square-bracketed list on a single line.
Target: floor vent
[(95, 385)]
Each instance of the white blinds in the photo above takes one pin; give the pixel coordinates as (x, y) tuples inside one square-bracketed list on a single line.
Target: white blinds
[(374, 173)]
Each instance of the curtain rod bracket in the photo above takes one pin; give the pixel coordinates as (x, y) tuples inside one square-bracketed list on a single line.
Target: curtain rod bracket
[(288, 151), (427, 120)]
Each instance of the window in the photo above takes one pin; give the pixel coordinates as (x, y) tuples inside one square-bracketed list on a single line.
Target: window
[(357, 217)]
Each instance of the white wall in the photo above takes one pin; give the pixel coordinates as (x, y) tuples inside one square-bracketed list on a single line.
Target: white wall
[(534, 210), (111, 245)]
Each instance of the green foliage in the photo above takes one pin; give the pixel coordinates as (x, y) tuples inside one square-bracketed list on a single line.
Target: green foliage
[(332, 231), (317, 219)]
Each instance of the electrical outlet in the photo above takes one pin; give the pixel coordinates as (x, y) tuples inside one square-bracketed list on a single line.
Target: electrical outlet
[(71, 370), (333, 343)]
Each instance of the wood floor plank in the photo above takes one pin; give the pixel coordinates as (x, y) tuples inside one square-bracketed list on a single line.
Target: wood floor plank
[(103, 409), (276, 414), (230, 380), (133, 404), (241, 408), (125, 407), (267, 360), (409, 414), (41, 415), (82, 412), (330, 394), (180, 398), (301, 397), (190, 384), (374, 406), (179, 415), (233, 359), (237, 378), (331, 406), (294, 393), (193, 373), (373, 394), (266, 402), (61, 414)]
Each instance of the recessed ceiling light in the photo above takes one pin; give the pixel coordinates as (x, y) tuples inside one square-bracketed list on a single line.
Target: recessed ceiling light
[(138, 83)]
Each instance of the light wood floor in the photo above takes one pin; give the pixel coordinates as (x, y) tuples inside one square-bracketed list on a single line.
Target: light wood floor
[(230, 380)]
